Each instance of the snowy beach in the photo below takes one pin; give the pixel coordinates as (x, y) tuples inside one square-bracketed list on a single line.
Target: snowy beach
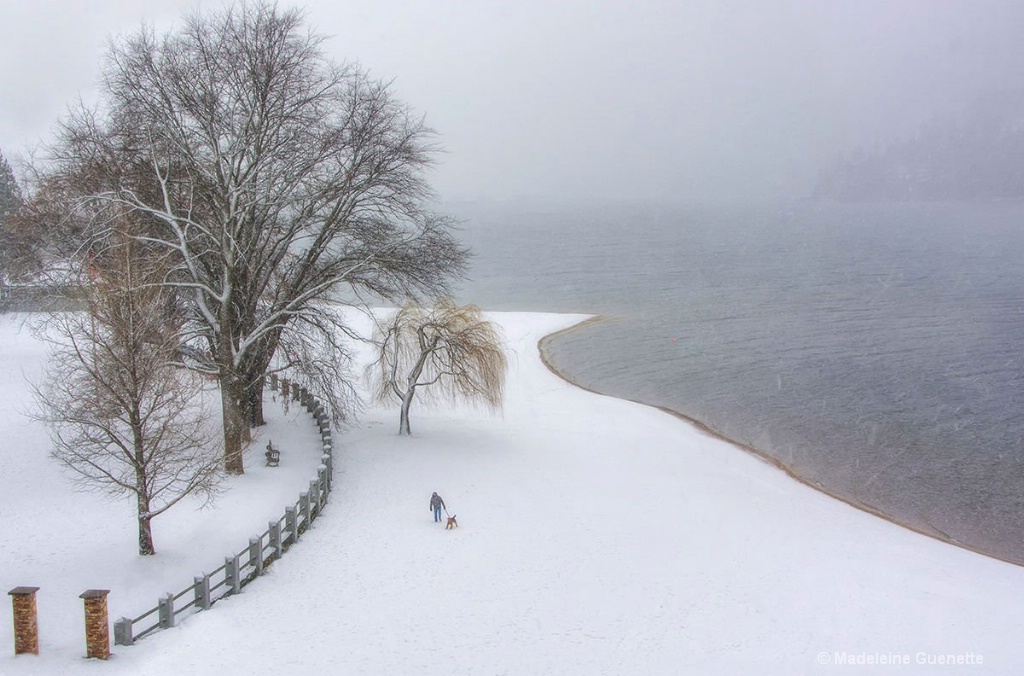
[(596, 536)]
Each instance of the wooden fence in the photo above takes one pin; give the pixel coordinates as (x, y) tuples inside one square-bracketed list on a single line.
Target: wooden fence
[(242, 568)]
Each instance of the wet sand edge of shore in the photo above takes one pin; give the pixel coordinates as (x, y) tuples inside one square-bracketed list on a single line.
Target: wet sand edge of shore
[(545, 357)]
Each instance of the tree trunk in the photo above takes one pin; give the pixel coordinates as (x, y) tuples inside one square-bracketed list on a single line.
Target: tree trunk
[(254, 398), (232, 399), (403, 423), (412, 380), (231, 396), (145, 527), (254, 370), (245, 411), (142, 488)]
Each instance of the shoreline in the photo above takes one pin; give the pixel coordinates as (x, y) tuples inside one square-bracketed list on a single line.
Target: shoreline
[(543, 349)]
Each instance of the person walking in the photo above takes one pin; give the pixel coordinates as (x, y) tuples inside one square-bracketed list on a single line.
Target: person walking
[(436, 505)]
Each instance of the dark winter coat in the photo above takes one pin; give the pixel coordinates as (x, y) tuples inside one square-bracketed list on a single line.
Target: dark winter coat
[(436, 501)]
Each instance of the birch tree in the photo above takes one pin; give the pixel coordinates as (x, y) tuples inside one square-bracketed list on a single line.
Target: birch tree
[(449, 349), (123, 419), (280, 181)]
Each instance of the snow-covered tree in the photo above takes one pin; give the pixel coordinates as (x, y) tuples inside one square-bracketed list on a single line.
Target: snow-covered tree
[(449, 349), (281, 182), (122, 416)]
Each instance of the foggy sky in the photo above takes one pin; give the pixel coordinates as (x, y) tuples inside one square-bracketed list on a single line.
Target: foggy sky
[(688, 99)]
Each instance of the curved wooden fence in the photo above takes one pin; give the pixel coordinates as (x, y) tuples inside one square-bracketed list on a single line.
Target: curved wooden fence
[(241, 568)]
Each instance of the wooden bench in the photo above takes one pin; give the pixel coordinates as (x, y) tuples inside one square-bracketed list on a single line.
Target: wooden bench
[(273, 455)]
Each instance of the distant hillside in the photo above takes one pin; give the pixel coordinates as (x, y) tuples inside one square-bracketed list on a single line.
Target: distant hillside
[(979, 155)]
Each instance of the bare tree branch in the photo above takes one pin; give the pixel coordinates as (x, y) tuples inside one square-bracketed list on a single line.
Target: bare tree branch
[(281, 182), (122, 418)]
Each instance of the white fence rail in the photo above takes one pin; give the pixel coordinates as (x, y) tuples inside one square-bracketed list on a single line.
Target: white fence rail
[(241, 568)]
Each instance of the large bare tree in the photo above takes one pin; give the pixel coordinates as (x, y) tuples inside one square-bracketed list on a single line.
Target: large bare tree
[(122, 416), (450, 349), (281, 181)]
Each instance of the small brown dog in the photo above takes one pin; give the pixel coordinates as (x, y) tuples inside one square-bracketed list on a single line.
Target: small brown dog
[(452, 523)]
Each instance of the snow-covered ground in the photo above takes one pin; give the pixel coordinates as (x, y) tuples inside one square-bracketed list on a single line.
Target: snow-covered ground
[(596, 536)]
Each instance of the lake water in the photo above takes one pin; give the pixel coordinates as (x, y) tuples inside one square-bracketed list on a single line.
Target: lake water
[(874, 349)]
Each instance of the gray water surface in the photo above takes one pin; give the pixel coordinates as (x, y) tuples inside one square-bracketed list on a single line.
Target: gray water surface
[(874, 349)]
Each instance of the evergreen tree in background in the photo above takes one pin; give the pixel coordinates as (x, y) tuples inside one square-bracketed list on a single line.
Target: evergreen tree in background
[(10, 193), (10, 201)]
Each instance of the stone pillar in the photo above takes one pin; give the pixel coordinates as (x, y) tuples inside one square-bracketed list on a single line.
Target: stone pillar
[(26, 624), (97, 629)]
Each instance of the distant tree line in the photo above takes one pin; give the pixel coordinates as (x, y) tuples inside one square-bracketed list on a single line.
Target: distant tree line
[(978, 155)]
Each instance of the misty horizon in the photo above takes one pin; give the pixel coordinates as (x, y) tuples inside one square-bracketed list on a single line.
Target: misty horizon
[(711, 100)]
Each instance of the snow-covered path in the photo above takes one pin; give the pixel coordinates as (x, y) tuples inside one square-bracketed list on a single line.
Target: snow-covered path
[(596, 536)]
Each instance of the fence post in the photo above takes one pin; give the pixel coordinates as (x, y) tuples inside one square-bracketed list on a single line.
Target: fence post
[(166, 611), (26, 622), (311, 503), (316, 503), (256, 554), (275, 539), (202, 590), (232, 578), (291, 522), (321, 475), (325, 466), (123, 632), (303, 510)]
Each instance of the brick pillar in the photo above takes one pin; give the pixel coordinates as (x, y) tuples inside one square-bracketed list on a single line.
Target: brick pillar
[(97, 629), (26, 624)]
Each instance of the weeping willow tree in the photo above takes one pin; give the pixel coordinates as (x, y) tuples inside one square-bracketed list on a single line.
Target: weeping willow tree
[(450, 349)]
